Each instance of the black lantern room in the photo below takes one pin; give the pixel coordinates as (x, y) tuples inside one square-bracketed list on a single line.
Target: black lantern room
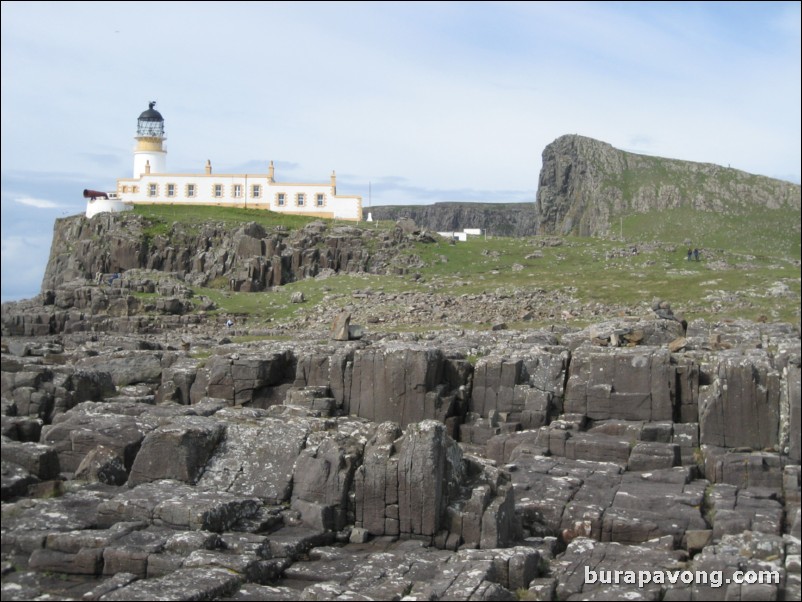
[(150, 123)]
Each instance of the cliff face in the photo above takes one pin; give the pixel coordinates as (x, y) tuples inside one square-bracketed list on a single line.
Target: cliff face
[(585, 183), (249, 256), (499, 219)]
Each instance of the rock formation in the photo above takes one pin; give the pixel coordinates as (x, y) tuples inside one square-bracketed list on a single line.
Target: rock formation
[(585, 183), (147, 456), (497, 219), (139, 470), (248, 257)]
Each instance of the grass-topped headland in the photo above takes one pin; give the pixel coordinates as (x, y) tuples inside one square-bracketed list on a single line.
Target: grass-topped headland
[(743, 272), (234, 216), (748, 268), (587, 187), (162, 217)]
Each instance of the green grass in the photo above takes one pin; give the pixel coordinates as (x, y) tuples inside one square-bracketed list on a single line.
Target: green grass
[(275, 305), (162, 217), (201, 354), (773, 233), (736, 217), (592, 270), (744, 253), (581, 264)]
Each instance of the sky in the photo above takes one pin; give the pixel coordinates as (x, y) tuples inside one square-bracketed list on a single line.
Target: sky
[(410, 102)]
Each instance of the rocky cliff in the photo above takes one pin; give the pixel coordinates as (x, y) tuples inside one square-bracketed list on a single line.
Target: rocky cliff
[(585, 183), (147, 455), (498, 219), (248, 256), (135, 469)]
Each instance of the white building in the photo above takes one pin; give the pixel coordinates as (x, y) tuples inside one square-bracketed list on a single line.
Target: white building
[(461, 236), (151, 184)]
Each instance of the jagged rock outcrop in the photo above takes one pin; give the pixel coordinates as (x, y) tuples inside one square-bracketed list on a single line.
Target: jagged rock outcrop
[(140, 470), (585, 183), (248, 257), (419, 485), (114, 274), (147, 455), (398, 382), (497, 219), (204, 497)]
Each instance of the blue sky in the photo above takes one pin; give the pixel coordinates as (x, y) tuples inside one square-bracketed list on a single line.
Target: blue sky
[(427, 102)]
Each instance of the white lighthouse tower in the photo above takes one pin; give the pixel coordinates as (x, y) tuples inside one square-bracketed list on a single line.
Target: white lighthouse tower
[(151, 184), (149, 154)]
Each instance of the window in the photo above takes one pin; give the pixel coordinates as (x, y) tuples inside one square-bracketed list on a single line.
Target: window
[(171, 190), (281, 199), (153, 190), (300, 199), (134, 189), (218, 191), (124, 189), (256, 191), (320, 200), (190, 190), (236, 191)]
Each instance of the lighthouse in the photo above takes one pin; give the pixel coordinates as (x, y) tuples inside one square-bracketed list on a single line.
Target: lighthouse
[(152, 184), (149, 154)]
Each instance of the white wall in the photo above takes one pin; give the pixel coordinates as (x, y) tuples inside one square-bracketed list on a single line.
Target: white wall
[(158, 162), (95, 206), (461, 236), (334, 206)]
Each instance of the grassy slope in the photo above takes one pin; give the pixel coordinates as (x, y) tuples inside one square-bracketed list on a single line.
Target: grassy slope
[(627, 279), (162, 216), (759, 232), (739, 222), (742, 257)]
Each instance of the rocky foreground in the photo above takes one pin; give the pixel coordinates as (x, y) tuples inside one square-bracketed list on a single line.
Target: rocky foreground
[(152, 458)]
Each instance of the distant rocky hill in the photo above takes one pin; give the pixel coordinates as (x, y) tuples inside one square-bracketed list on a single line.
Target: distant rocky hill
[(585, 183), (499, 219)]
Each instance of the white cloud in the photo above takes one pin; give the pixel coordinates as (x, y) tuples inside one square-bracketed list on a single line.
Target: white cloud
[(38, 203)]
